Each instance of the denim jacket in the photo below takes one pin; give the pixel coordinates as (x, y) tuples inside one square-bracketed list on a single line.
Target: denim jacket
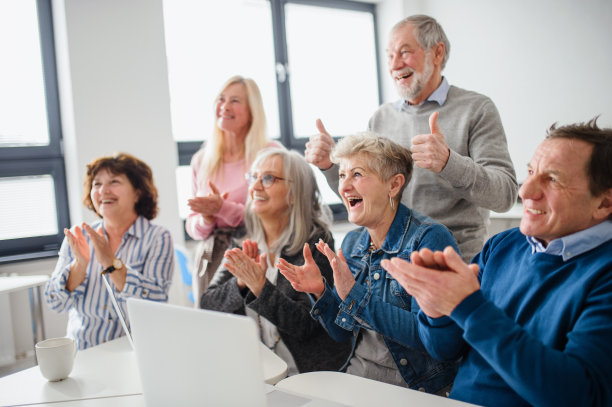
[(378, 302)]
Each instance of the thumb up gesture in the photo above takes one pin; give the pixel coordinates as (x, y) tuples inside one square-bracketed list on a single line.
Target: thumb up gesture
[(430, 151)]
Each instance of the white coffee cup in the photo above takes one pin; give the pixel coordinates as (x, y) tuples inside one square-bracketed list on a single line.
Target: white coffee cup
[(55, 357)]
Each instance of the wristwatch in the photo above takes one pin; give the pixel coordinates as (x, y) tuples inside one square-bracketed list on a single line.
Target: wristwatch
[(117, 264)]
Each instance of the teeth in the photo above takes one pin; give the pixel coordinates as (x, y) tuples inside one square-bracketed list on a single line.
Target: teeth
[(353, 200), (535, 211), (258, 198)]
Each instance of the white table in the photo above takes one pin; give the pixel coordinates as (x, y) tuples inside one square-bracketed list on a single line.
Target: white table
[(360, 392), (105, 371), (33, 284)]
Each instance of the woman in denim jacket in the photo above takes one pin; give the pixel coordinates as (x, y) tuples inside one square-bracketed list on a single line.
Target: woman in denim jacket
[(366, 304)]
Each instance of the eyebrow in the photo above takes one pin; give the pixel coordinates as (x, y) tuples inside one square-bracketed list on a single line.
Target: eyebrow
[(554, 172)]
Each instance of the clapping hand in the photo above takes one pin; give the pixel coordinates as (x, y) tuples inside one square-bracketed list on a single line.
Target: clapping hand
[(439, 281), (249, 272), (343, 278), (306, 278), (208, 206)]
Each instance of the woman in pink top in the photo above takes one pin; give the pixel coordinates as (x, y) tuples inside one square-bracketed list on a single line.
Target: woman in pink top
[(219, 187)]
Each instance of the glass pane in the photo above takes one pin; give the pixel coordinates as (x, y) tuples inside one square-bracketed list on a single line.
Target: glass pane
[(329, 196), (208, 42), (332, 68), (27, 207), (23, 115)]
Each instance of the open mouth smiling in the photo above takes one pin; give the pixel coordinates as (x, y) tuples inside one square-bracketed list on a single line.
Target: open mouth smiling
[(404, 75), (352, 201)]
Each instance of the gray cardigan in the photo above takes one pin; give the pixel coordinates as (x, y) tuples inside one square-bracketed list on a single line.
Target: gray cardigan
[(310, 345)]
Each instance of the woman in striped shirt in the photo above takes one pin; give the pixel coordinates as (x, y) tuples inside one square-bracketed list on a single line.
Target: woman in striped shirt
[(136, 255)]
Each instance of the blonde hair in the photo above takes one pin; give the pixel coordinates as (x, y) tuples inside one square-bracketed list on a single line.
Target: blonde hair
[(307, 213), (385, 157), (255, 140)]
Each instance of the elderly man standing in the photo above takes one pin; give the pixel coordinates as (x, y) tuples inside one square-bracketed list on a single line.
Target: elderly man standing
[(534, 326), (462, 165)]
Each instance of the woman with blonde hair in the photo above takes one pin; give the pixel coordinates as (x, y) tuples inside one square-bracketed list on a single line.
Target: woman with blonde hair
[(218, 184)]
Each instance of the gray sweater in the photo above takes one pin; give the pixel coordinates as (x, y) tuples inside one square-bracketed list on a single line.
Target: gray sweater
[(479, 175)]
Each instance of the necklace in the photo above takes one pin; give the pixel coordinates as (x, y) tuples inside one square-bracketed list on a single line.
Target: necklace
[(372, 246)]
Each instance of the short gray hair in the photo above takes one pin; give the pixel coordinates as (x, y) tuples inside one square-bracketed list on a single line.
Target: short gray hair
[(428, 33), (307, 213), (385, 157)]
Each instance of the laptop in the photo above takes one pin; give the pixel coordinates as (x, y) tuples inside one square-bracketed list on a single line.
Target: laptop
[(190, 357)]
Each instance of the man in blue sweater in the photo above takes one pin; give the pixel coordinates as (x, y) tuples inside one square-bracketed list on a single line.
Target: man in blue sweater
[(532, 317)]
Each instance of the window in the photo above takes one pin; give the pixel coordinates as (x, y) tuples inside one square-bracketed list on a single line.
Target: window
[(33, 198), (311, 59)]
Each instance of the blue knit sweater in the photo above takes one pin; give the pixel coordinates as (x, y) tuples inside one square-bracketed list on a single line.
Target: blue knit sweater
[(538, 332)]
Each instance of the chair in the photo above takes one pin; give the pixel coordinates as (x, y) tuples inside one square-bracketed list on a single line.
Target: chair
[(183, 261)]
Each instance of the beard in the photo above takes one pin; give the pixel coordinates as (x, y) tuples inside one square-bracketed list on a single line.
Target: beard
[(419, 80)]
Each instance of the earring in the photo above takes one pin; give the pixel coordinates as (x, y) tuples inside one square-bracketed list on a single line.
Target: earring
[(391, 202)]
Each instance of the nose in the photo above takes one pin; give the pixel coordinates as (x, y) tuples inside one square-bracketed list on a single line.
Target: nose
[(394, 62), (530, 189)]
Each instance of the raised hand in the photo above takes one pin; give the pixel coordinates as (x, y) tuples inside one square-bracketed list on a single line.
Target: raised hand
[(439, 281), (208, 206), (430, 151), (319, 147), (103, 252), (80, 250), (250, 248), (306, 278), (250, 272), (78, 245), (343, 278)]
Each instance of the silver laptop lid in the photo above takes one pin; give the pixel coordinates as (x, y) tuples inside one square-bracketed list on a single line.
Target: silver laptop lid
[(192, 357)]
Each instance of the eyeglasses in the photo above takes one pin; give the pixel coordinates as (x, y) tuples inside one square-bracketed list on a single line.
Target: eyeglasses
[(266, 179)]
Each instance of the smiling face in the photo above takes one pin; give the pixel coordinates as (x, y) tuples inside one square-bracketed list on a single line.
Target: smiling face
[(271, 202), (411, 67), (556, 196), (113, 195), (232, 110), (364, 194)]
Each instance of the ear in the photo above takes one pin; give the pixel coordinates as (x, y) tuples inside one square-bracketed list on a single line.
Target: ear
[(438, 53), (396, 182), (604, 209)]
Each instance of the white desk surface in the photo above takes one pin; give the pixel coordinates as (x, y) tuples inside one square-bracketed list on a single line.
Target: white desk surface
[(357, 391), (14, 283), (103, 371)]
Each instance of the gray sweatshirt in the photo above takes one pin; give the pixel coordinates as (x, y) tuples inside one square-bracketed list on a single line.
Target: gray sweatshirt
[(479, 175)]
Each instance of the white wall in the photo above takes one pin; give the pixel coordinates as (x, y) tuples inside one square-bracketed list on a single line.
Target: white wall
[(540, 61)]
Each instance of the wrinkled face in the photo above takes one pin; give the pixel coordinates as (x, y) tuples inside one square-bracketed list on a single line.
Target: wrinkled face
[(364, 194), (410, 66), (232, 110), (113, 194), (556, 196), (269, 201)]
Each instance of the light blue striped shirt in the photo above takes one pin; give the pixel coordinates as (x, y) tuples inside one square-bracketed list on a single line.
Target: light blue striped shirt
[(148, 254), (575, 244)]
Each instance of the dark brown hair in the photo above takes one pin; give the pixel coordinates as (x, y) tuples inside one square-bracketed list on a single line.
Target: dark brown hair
[(138, 173), (599, 167)]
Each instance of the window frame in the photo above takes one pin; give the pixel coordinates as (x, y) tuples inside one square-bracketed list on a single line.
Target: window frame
[(41, 160), (186, 149)]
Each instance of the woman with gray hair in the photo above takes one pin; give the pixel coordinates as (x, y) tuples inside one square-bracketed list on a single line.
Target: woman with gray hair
[(284, 219), (365, 304)]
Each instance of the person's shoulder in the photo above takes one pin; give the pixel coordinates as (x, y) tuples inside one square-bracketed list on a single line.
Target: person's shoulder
[(457, 94)]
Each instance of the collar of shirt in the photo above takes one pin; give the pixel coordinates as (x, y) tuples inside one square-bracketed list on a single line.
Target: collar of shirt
[(575, 244), (439, 96)]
